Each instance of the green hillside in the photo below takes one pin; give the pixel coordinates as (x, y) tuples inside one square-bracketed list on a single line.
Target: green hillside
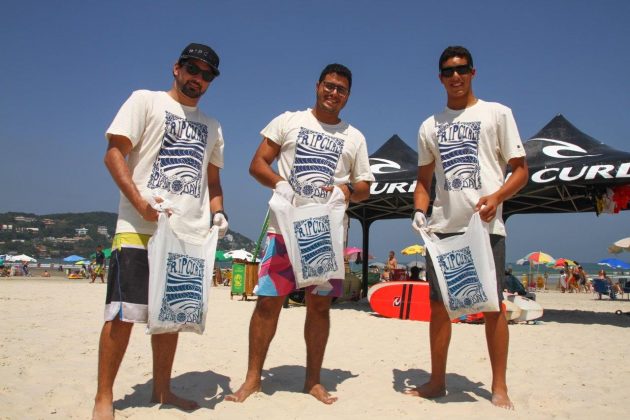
[(56, 235)]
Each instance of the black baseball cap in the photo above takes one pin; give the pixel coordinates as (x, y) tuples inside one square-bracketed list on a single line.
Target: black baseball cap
[(203, 53)]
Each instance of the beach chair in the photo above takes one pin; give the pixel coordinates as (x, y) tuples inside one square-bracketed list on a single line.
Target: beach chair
[(625, 286), (601, 287)]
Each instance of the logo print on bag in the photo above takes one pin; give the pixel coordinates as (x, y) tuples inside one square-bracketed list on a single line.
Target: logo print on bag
[(459, 150), (179, 164), (183, 297), (316, 157), (315, 244), (464, 287)]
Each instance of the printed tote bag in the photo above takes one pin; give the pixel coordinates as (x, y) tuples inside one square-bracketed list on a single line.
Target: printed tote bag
[(180, 276), (313, 234), (465, 270)]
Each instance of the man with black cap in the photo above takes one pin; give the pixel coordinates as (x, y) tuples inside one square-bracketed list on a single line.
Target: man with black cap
[(163, 153)]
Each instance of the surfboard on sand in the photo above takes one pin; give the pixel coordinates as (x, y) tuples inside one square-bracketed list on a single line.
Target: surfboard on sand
[(410, 300), (530, 309), (401, 299)]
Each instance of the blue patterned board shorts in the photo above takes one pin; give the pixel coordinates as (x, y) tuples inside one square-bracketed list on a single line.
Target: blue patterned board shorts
[(276, 278)]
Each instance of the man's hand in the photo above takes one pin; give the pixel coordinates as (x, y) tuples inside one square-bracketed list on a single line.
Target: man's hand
[(285, 189), (419, 222), (147, 211), (487, 207), (221, 223)]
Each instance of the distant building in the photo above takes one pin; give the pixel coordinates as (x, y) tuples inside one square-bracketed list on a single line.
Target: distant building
[(81, 231), (102, 230), (24, 219), (48, 222), (7, 227)]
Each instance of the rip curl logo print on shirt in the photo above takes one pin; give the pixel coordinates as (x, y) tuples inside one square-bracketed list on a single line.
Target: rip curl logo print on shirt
[(459, 149), (315, 245), (464, 286), (179, 164), (183, 296), (316, 157)]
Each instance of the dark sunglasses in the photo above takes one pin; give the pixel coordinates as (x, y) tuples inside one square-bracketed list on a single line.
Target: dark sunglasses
[(194, 70), (450, 71)]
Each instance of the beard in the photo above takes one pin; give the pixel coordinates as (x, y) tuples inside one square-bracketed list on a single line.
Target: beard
[(191, 89)]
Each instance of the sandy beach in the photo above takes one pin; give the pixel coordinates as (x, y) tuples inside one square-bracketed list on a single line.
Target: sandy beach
[(573, 364)]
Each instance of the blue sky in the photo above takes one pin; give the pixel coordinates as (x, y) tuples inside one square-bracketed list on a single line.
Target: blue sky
[(69, 65)]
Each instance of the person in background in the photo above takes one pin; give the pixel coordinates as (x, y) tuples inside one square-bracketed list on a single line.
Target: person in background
[(414, 273), (386, 274), (468, 147), (162, 150), (563, 281), (392, 262), (99, 265)]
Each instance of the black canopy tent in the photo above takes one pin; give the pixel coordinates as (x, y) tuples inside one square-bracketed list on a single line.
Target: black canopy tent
[(567, 169)]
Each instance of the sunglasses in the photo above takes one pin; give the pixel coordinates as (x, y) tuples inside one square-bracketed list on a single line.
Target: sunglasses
[(194, 70), (450, 71), (331, 87)]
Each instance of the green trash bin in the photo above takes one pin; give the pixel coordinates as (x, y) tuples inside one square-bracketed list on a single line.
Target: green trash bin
[(238, 279)]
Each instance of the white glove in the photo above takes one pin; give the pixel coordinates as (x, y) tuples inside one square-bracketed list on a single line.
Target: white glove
[(221, 224), (419, 222), (162, 205), (285, 189)]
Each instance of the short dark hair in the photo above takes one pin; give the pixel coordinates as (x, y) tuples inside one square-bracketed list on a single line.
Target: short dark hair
[(455, 51), (340, 69)]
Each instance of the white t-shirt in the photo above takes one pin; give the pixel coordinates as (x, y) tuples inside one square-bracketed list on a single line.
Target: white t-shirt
[(471, 148), (172, 146), (314, 155)]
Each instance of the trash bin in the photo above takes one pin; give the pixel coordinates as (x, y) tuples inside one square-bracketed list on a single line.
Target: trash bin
[(244, 278)]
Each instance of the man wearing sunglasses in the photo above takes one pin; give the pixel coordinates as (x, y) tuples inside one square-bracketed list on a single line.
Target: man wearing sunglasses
[(162, 149), (316, 152), (467, 146)]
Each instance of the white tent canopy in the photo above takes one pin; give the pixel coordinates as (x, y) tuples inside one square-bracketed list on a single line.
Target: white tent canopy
[(20, 258)]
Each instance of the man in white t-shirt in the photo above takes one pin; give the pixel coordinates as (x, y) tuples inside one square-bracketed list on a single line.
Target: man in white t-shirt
[(162, 149), (467, 146), (316, 152)]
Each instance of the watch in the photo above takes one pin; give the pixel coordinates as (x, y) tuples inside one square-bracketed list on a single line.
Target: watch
[(417, 211), (223, 213), (350, 188)]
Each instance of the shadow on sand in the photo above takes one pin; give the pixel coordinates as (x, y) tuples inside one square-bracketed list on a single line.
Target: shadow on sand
[(459, 388), (566, 316), (210, 388)]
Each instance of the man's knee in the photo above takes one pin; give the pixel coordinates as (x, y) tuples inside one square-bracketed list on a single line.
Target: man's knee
[(269, 306)]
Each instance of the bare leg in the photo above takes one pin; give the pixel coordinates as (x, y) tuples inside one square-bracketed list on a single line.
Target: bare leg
[(316, 330), (111, 349), (440, 338), (262, 329), (498, 338), (164, 346)]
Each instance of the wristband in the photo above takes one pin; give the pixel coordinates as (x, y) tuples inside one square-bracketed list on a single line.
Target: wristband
[(417, 211), (223, 213), (350, 188)]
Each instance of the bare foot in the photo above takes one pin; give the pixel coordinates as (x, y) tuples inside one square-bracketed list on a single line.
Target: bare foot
[(501, 399), (103, 411), (243, 392), (175, 401), (318, 391), (427, 391)]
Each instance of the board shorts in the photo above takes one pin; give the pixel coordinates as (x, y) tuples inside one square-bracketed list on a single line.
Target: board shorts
[(128, 278), (497, 243), (276, 278), (98, 270)]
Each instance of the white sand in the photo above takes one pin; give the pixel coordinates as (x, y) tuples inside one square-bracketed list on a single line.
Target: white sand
[(575, 364)]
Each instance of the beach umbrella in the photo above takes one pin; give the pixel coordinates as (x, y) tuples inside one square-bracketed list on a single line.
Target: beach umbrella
[(239, 254), (354, 254), (418, 264), (614, 263), (539, 257), (221, 257), (73, 258), (351, 250), (414, 249), (620, 245), (559, 263), (377, 264), (21, 257)]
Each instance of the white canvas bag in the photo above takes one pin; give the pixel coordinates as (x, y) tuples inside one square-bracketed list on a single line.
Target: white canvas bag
[(313, 234), (464, 265), (180, 276)]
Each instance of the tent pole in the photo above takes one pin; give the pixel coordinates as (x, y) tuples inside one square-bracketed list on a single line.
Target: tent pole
[(365, 227)]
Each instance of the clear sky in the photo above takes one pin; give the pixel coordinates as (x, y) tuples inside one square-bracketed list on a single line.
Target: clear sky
[(68, 66)]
